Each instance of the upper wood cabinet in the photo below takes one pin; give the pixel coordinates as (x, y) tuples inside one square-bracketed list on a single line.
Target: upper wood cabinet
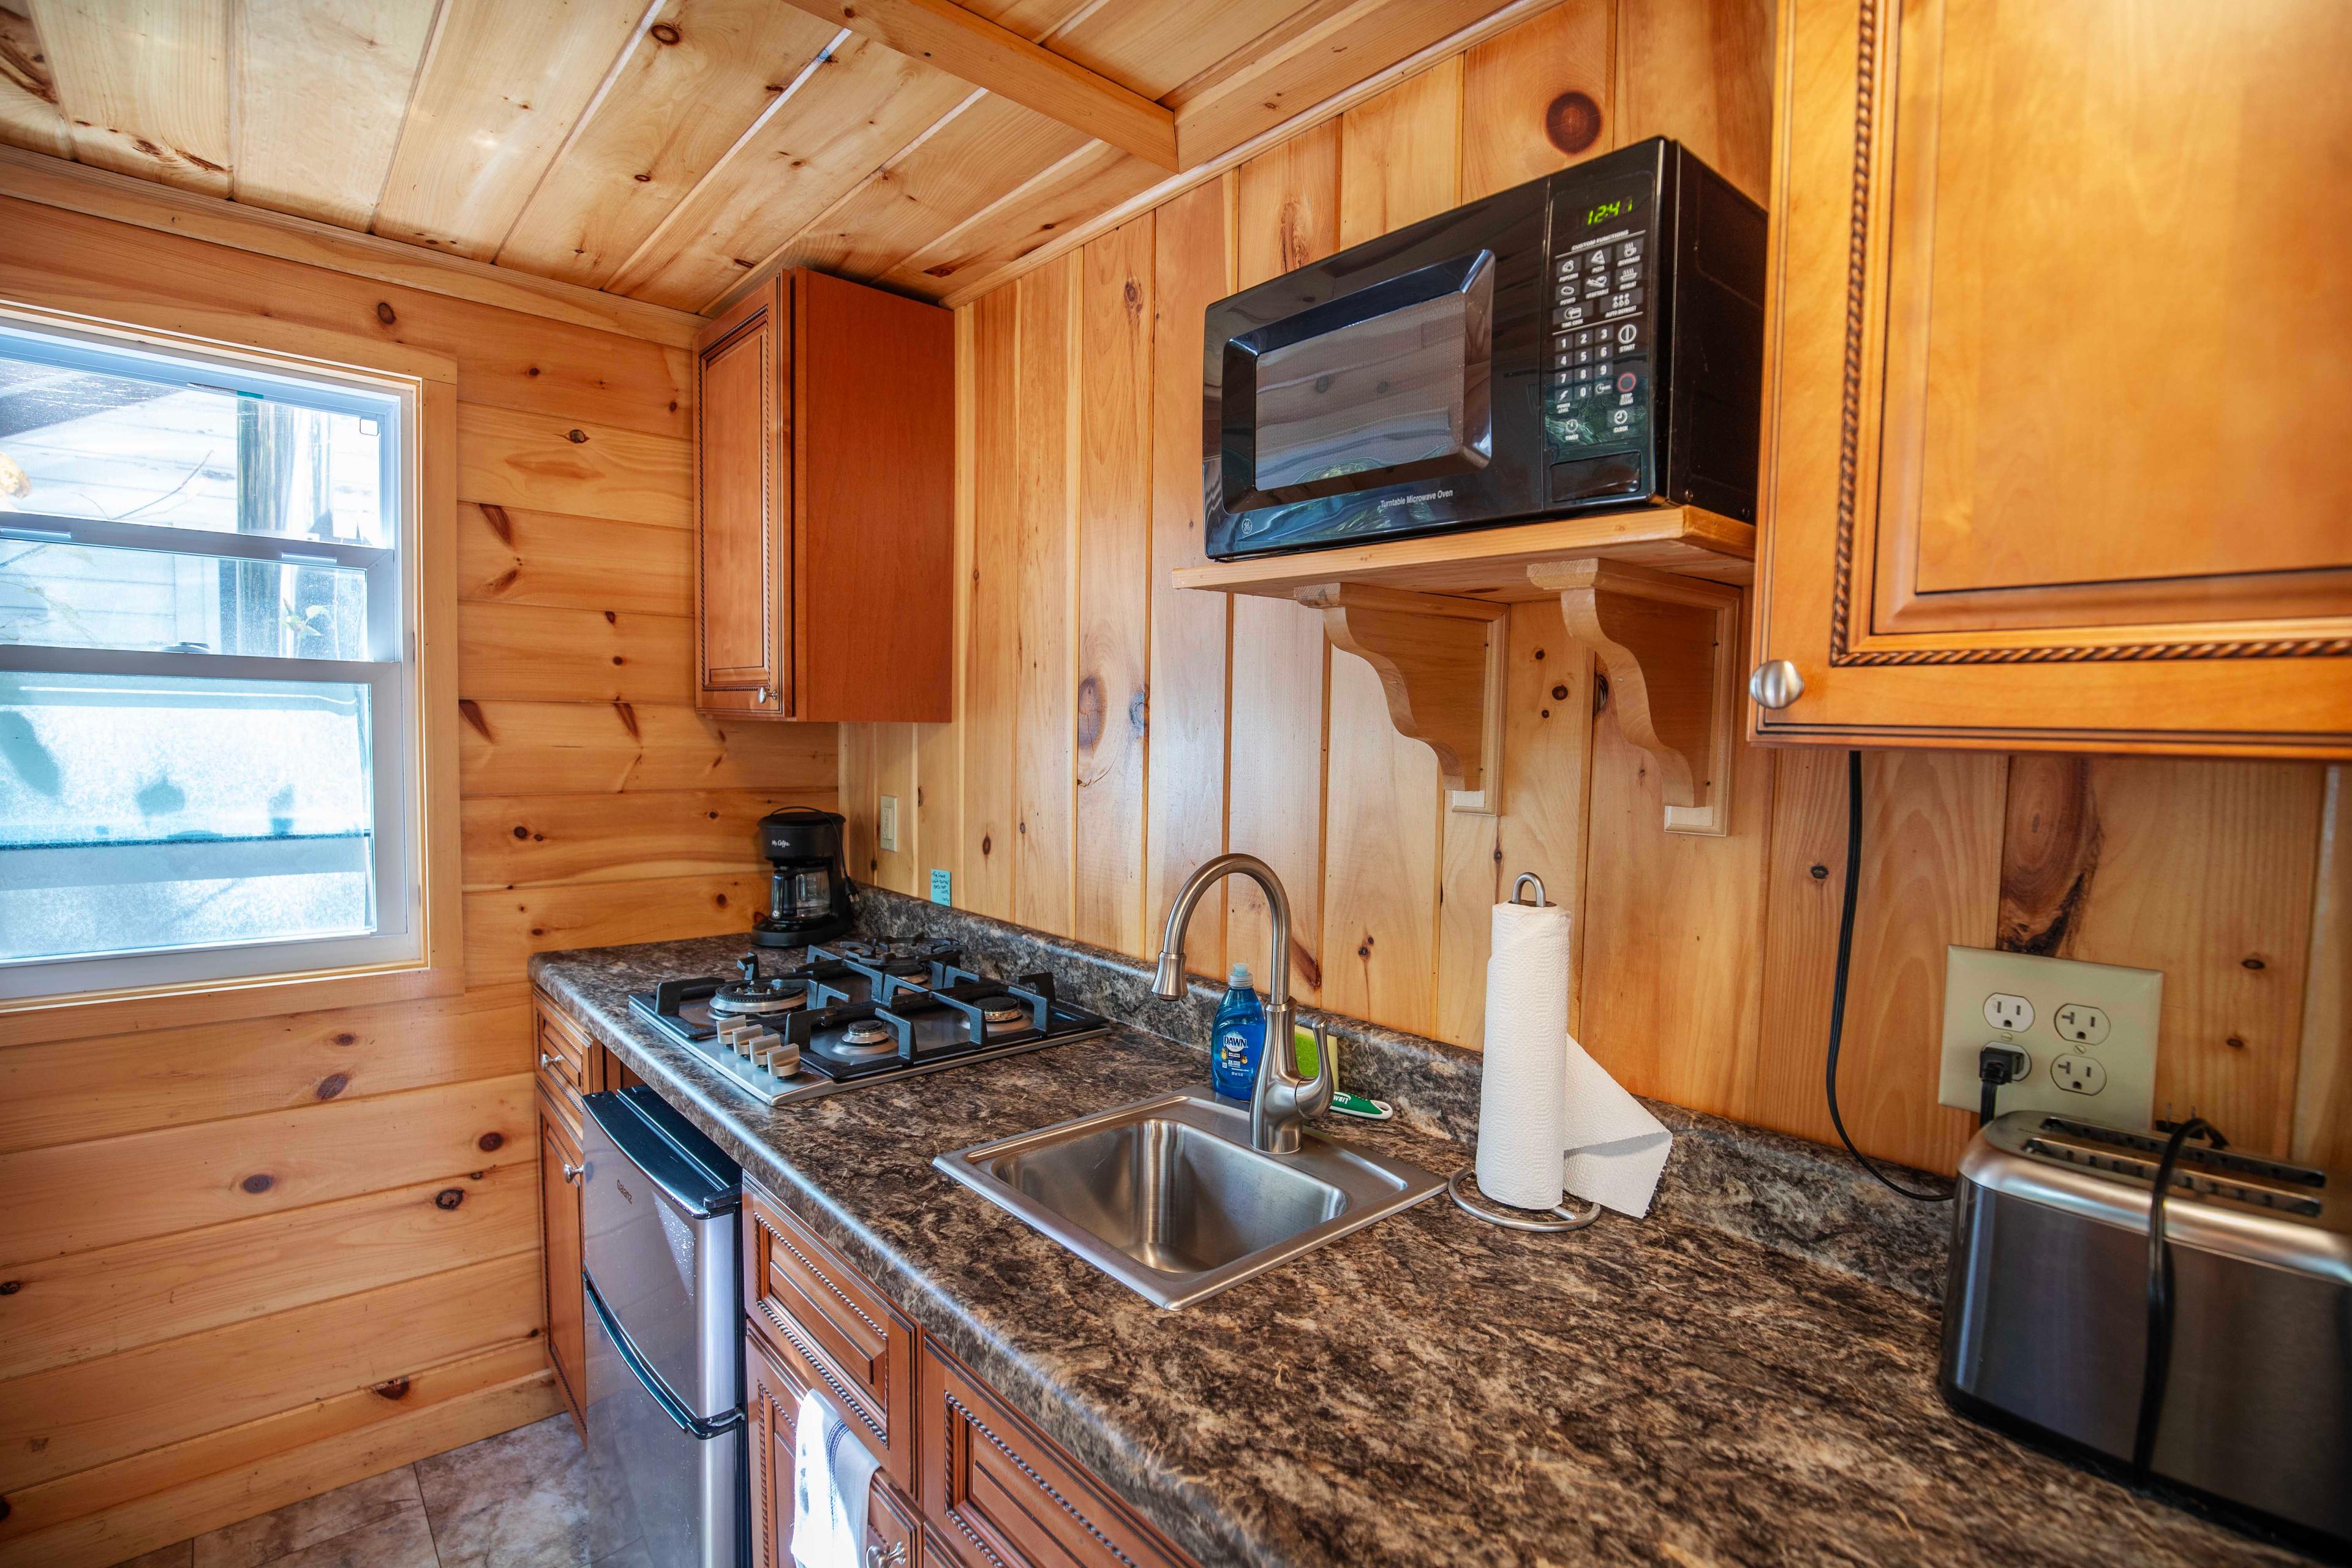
[(2059, 431), (824, 506)]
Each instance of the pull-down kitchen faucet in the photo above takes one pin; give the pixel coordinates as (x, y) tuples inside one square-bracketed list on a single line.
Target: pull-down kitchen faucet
[(1281, 1101)]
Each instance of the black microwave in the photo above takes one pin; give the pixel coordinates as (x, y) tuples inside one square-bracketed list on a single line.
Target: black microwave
[(1588, 342)]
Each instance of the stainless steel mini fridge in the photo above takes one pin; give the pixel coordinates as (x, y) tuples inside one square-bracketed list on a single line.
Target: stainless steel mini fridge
[(665, 1397)]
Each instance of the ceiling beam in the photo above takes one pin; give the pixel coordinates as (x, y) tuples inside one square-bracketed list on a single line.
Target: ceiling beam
[(978, 51), (1505, 17)]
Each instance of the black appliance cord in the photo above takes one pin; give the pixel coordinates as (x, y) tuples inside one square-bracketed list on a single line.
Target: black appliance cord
[(2158, 1365), (1844, 961)]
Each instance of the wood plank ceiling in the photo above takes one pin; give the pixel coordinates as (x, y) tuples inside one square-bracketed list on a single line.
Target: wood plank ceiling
[(672, 151)]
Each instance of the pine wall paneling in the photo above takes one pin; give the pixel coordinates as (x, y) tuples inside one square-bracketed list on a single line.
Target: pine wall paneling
[(253, 1259), (1705, 964)]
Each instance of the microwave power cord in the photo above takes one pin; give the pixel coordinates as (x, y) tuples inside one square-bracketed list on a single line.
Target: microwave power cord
[(1845, 961)]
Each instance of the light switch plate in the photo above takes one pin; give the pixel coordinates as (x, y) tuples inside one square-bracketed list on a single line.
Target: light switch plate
[(2063, 997), (887, 826)]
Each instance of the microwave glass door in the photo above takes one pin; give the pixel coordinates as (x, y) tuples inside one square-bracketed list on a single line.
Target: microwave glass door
[(1377, 388)]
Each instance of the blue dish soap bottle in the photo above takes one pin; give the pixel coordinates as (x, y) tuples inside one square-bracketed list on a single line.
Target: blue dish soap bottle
[(1236, 1038)]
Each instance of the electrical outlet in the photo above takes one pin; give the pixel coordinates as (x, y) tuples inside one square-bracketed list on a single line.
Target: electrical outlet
[(2010, 1014), (887, 830), (2082, 1024), (2089, 1030), (2079, 1075)]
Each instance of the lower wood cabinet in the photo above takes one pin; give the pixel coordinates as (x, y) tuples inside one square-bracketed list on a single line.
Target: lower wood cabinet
[(1001, 1494), (558, 1216), (771, 1397), (569, 1064), (821, 1318), (966, 1481)]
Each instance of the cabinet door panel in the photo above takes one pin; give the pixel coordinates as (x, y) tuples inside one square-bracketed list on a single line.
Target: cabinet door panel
[(2059, 441), (743, 608), (771, 1395), (567, 1335), (1001, 1494), (2127, 323)]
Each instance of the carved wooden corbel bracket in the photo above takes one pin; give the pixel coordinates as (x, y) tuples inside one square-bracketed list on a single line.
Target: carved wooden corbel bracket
[(1669, 646), (1441, 661)]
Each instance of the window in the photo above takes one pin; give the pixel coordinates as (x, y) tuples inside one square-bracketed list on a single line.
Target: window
[(209, 760)]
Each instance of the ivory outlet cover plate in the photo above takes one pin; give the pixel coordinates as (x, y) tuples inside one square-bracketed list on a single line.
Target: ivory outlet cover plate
[(2127, 1002)]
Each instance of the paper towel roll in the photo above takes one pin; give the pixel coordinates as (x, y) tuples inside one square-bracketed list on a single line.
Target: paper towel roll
[(1614, 1150), (1522, 1087)]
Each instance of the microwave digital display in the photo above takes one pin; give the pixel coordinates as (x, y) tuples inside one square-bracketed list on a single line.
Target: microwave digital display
[(1617, 210)]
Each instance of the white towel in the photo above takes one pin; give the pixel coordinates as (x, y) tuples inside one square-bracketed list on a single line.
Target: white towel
[(1615, 1151), (831, 1472)]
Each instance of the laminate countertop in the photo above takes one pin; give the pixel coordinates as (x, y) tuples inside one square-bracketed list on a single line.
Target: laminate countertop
[(1429, 1390)]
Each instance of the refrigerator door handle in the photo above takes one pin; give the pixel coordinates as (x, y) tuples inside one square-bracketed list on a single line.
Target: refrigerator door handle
[(674, 1407)]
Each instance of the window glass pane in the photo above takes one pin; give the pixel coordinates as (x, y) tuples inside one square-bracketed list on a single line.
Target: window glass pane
[(135, 437), (71, 596), (142, 813)]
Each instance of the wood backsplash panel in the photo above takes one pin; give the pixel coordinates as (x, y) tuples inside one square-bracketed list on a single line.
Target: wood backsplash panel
[(1186, 743), (1931, 877), (1285, 215), (2204, 870), (1114, 585), (1045, 547)]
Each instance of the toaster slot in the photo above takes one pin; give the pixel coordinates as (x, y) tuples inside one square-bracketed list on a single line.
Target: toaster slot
[(2273, 1184)]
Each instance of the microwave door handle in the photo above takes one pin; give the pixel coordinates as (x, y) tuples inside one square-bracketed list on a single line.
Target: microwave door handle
[(674, 1407)]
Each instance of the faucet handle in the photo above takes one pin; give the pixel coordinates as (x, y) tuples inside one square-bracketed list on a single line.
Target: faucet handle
[(1315, 1093)]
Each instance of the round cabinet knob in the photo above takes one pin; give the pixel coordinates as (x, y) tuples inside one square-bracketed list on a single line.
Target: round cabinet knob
[(763, 697), (1776, 684), (572, 1173)]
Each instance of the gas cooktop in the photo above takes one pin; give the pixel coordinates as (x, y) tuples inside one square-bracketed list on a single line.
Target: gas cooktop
[(857, 1012)]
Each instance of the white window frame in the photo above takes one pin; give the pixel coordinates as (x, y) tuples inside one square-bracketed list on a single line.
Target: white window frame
[(391, 672)]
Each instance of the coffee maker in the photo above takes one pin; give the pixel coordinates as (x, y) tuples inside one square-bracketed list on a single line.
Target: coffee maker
[(810, 898)]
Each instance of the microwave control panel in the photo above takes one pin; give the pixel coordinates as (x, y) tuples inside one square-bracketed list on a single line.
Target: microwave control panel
[(1599, 342)]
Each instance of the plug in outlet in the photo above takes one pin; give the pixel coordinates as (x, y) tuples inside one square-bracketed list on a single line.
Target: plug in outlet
[(2088, 1030)]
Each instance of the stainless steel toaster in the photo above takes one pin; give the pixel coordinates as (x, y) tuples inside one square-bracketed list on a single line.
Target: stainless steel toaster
[(2046, 1313)]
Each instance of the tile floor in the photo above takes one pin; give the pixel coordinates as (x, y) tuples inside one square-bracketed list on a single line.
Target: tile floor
[(516, 1501)]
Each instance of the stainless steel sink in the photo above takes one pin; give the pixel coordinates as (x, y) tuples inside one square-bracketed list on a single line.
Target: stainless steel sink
[(1167, 1197)]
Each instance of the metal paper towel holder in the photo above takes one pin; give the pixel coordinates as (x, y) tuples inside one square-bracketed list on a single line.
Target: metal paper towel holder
[(1518, 1219)]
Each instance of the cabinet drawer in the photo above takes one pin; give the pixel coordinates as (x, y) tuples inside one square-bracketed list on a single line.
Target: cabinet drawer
[(833, 1328), (563, 1053), (1001, 1494)]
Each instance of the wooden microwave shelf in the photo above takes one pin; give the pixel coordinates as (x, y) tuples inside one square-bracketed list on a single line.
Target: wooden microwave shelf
[(1654, 594), (1492, 562)]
